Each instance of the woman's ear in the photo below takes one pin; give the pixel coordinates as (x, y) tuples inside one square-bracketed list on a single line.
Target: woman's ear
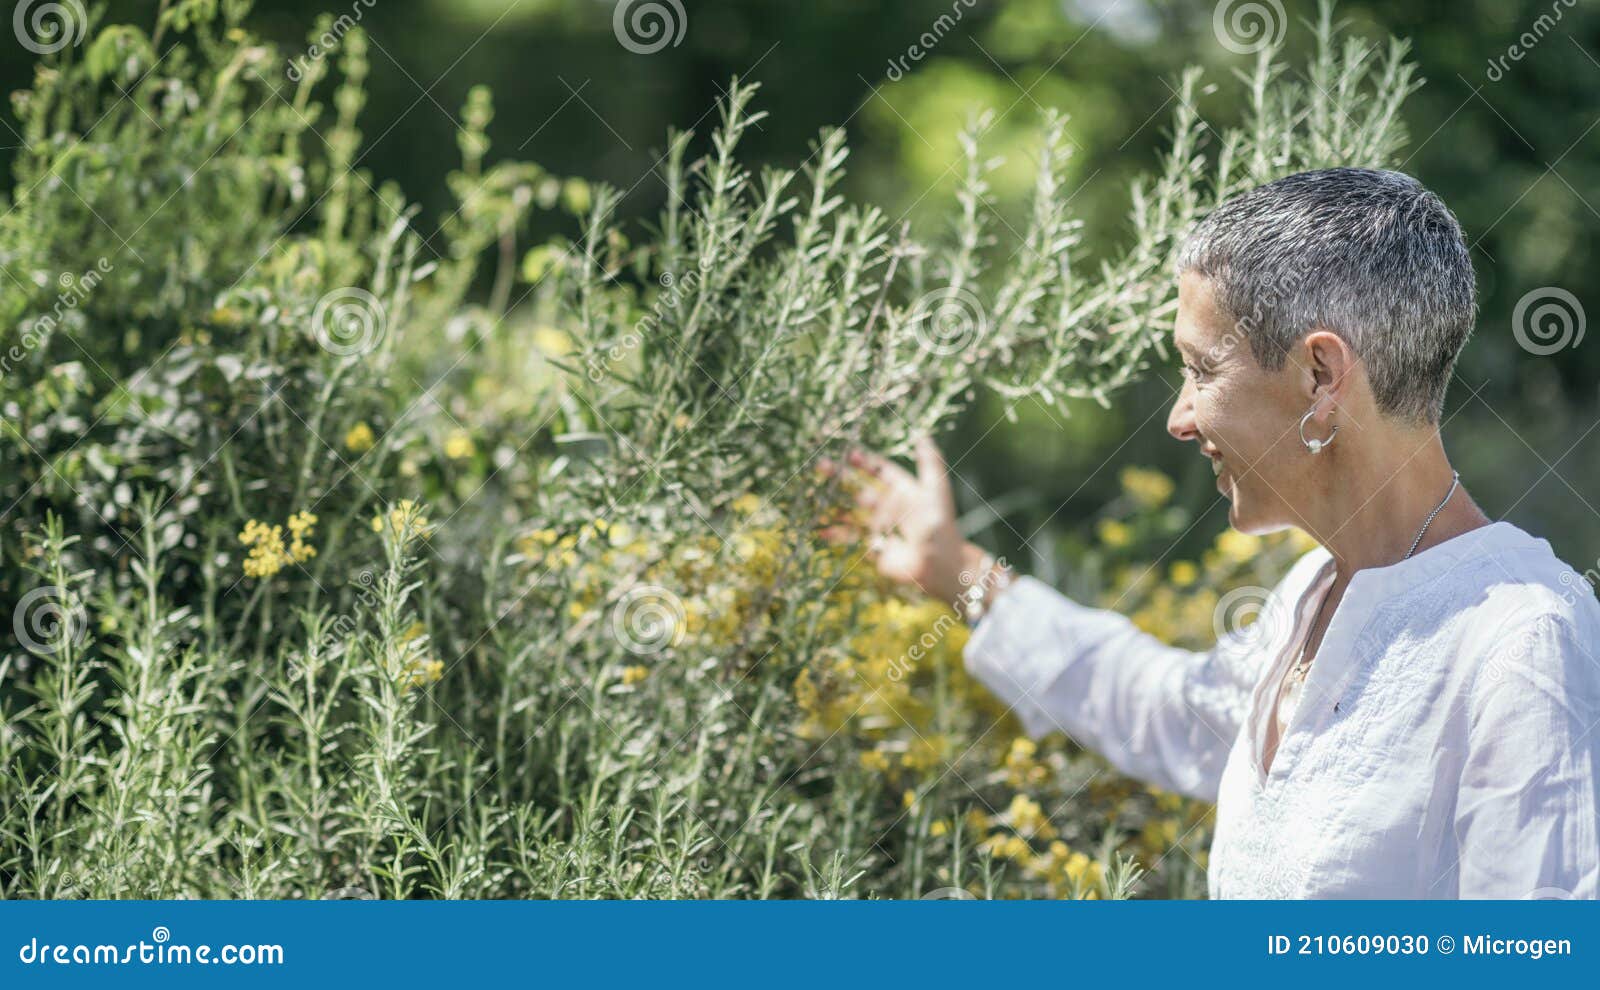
[(1329, 362)]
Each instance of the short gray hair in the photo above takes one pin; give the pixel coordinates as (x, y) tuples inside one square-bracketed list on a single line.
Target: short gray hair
[(1367, 254)]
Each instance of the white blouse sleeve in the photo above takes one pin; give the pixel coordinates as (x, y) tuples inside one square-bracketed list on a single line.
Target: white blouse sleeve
[(1165, 715), (1525, 818)]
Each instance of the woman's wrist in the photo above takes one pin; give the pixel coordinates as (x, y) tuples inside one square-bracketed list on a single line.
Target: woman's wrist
[(983, 578)]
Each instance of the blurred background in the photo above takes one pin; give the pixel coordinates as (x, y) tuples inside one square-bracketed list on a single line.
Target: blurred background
[(1505, 130)]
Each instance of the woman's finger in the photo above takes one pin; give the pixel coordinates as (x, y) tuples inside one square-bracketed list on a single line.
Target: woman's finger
[(888, 515), (870, 496), (933, 475), (879, 466), (838, 534)]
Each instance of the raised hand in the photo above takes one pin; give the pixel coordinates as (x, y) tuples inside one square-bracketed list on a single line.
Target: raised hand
[(911, 521)]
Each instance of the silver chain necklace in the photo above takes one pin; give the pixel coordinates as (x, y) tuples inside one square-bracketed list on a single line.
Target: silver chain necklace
[(1455, 479), (1301, 666)]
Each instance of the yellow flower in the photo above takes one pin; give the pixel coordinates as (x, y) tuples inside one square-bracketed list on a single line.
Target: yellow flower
[(1184, 573), (924, 752), (1021, 768), (1069, 871), (424, 672), (552, 341), (1149, 488), (268, 555), (746, 503), (1028, 818), (633, 674), (939, 828), (1114, 533), (458, 446), (1022, 750), (535, 543), (359, 439), (575, 196), (403, 517), (875, 761), (1083, 869), (301, 525), (1238, 547), (536, 263), (976, 820), (909, 798), (1159, 835)]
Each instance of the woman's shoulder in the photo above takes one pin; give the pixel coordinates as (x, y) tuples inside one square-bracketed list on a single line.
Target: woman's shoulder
[(1537, 618), (1525, 583)]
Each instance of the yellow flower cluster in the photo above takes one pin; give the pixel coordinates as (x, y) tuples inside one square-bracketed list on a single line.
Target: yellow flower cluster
[(883, 682), (359, 439), (552, 340), (547, 548), (895, 651), (1150, 489), (458, 446), (1114, 533), (633, 674), (1182, 610), (404, 519), (1022, 770), (422, 670), (1016, 836), (714, 592), (268, 554)]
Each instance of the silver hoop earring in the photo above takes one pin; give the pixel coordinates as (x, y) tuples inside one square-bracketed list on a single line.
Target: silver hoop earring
[(1315, 446)]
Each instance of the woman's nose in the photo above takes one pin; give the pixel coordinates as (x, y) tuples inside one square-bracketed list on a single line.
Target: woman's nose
[(1180, 422)]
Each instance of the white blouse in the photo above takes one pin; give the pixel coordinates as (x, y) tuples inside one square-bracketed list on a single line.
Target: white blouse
[(1445, 744)]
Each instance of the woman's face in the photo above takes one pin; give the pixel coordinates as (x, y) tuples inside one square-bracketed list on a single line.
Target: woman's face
[(1244, 417)]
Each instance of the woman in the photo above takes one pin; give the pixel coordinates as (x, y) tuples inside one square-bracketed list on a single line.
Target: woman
[(1414, 713)]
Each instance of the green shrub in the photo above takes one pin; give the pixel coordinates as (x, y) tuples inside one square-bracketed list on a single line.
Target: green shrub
[(347, 559)]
